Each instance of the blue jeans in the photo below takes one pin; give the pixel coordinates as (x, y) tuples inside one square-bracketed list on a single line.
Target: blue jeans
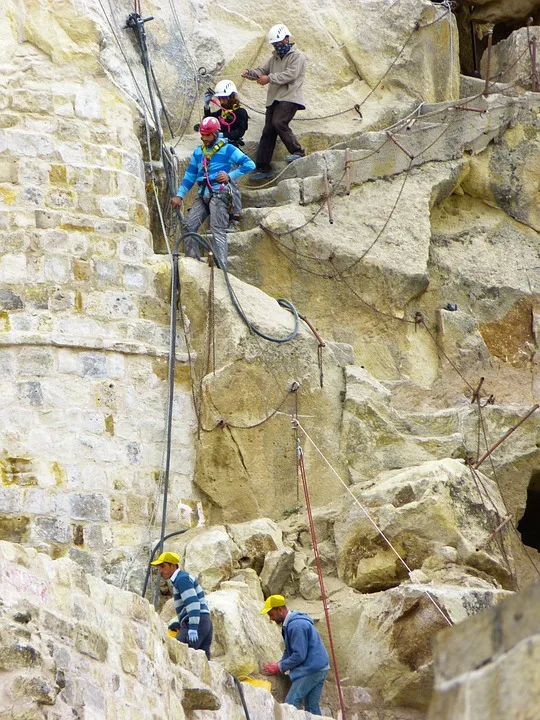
[(308, 690)]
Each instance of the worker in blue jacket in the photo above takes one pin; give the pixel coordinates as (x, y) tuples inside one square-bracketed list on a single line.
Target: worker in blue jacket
[(211, 167), (194, 624), (305, 657)]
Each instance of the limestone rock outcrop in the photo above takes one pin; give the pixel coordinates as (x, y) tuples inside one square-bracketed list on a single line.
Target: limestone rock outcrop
[(384, 639), (424, 281), (420, 510)]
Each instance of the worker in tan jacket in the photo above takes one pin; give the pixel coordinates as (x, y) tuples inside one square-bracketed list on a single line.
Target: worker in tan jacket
[(284, 74)]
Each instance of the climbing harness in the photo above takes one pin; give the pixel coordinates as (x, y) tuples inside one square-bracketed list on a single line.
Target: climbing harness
[(207, 156)]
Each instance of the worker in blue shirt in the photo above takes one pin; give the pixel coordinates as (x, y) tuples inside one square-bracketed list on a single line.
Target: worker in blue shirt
[(194, 624), (305, 657), (211, 167)]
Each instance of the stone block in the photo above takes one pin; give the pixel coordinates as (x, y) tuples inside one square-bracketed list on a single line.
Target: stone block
[(136, 509), (10, 501), (31, 392), (14, 529), (94, 422), (117, 508), (89, 642), (61, 628), (35, 361), (130, 662), (115, 207), (10, 301), (29, 144), (63, 199), (96, 537), (107, 271), (135, 278), (45, 219), (85, 560), (88, 102), (62, 300), (39, 689), (57, 268), (88, 506), (8, 171), (16, 653), (52, 530), (13, 268), (58, 175), (93, 365)]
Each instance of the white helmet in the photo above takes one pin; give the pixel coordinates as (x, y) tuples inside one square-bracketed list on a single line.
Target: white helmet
[(224, 88), (277, 33)]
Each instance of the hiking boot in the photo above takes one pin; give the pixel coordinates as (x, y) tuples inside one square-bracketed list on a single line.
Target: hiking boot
[(293, 157), (259, 175)]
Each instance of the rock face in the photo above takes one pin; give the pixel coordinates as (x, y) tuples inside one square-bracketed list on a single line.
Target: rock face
[(424, 281), (419, 510), (485, 668), (72, 643), (384, 640)]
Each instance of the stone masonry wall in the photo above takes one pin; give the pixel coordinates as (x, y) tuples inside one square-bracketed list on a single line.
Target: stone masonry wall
[(84, 307), (487, 667), (73, 646)]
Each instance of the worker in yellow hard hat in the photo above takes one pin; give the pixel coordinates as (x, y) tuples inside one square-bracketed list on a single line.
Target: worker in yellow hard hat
[(305, 657), (194, 622)]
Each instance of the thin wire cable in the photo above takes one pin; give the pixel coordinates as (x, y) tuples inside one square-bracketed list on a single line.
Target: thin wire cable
[(370, 519)]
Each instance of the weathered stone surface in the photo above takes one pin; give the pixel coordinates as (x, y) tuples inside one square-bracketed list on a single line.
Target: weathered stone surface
[(251, 579), (511, 59), (437, 503), (255, 539), (376, 437), (498, 11), (383, 640), (211, 556), (246, 390), (276, 571), (486, 666), (60, 655), (450, 217), (244, 640)]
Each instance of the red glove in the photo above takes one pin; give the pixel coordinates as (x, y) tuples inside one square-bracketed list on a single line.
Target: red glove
[(271, 669)]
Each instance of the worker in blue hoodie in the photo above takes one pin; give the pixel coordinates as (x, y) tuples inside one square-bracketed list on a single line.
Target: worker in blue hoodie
[(211, 167), (305, 657)]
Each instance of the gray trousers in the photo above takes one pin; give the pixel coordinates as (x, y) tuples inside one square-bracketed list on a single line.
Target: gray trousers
[(218, 210), (236, 198)]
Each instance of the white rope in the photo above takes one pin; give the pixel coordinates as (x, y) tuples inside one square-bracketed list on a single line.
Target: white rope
[(377, 528)]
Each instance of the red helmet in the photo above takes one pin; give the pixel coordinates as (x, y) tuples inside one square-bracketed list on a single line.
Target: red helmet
[(209, 126)]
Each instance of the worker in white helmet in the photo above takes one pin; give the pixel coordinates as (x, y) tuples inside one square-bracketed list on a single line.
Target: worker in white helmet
[(223, 103), (284, 73)]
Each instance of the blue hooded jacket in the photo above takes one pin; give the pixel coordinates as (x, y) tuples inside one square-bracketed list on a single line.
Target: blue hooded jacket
[(304, 649), (225, 159)]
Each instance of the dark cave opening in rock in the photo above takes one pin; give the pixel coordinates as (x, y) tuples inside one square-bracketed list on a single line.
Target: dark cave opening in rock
[(474, 22), (529, 525)]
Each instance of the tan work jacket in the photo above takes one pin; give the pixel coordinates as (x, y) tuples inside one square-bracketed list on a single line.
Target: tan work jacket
[(286, 77)]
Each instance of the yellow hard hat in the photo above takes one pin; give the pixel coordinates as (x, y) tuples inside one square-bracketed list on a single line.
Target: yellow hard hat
[(273, 601), (167, 557)]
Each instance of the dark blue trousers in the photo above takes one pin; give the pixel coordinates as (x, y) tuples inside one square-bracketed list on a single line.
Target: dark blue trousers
[(206, 632)]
